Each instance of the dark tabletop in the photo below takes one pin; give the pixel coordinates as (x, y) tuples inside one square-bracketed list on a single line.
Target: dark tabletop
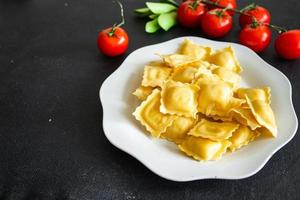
[(52, 144)]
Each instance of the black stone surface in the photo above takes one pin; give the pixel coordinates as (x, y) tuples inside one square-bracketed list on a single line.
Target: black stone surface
[(52, 144)]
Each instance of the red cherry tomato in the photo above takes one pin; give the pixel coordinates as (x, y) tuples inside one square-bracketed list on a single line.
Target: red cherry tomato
[(216, 23), (256, 37), (226, 4), (259, 13), (287, 44), (112, 43), (190, 13)]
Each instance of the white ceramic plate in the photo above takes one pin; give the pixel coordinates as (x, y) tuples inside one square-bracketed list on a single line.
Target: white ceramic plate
[(162, 157)]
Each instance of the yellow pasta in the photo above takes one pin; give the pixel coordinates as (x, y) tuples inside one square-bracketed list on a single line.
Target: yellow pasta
[(142, 92), (155, 76), (204, 149), (217, 99), (263, 94), (228, 76), (216, 131), (226, 58), (149, 115), (177, 132), (179, 99), (184, 74), (191, 49), (177, 60), (241, 137), (244, 116), (264, 115), (193, 99)]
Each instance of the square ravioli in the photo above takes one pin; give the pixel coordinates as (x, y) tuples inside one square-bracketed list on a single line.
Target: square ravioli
[(244, 116), (155, 75), (264, 115), (204, 149), (191, 49), (184, 74), (241, 137), (217, 99), (177, 132), (216, 131), (149, 115), (253, 94), (177, 60), (179, 99), (228, 76), (226, 58)]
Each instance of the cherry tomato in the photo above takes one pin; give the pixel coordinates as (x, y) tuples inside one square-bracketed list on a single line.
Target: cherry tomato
[(112, 43), (255, 36), (226, 4), (190, 13), (259, 13), (287, 44), (216, 23)]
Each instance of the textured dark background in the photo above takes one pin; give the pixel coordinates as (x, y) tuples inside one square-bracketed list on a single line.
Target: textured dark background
[(52, 144)]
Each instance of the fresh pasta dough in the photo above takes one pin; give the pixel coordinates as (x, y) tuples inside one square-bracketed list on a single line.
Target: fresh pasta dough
[(193, 99)]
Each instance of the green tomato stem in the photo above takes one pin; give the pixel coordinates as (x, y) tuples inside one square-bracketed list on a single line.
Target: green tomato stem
[(111, 33)]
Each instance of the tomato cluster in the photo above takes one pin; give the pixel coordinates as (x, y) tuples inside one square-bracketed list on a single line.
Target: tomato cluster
[(216, 21)]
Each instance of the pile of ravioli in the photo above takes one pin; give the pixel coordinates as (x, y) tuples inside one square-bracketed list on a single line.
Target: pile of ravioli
[(193, 98)]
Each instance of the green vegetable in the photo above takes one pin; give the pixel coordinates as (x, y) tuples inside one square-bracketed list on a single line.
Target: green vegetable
[(143, 12), (160, 8), (153, 16), (174, 3), (152, 26), (167, 20)]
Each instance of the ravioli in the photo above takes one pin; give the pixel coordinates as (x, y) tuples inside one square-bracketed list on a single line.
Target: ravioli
[(179, 99), (177, 60), (263, 94), (204, 149), (244, 116), (184, 74), (216, 131), (241, 137), (217, 99), (207, 78), (226, 58), (193, 99), (228, 76), (191, 49), (142, 92), (264, 115), (149, 115), (177, 132), (155, 76)]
